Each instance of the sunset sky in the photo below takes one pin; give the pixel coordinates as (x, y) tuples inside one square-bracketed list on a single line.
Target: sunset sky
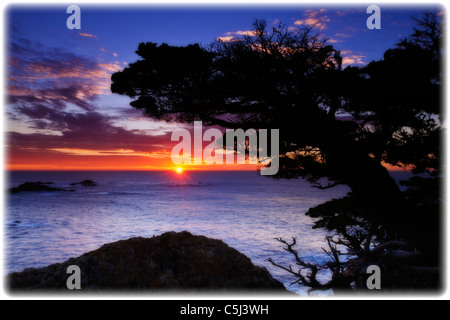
[(60, 113)]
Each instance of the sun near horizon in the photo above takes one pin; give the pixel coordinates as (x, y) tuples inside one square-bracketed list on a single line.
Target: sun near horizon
[(179, 170)]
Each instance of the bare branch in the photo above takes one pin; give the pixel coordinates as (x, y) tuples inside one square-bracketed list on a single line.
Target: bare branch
[(390, 245), (310, 280), (330, 185)]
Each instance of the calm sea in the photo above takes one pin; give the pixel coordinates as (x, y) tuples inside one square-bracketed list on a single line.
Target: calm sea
[(243, 209)]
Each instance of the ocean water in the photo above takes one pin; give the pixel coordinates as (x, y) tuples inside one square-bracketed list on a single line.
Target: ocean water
[(243, 209)]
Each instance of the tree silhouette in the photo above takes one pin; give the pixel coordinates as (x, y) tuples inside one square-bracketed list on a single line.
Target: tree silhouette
[(340, 124)]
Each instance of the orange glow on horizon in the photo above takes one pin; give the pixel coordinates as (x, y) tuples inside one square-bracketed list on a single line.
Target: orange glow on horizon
[(56, 161), (76, 159), (114, 160)]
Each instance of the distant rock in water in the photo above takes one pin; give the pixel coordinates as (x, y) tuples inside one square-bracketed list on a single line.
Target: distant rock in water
[(35, 186), (85, 183), (179, 261)]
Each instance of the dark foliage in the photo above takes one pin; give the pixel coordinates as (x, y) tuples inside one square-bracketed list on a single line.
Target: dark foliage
[(344, 125)]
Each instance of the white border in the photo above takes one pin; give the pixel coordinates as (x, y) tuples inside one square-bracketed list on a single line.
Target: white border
[(232, 3)]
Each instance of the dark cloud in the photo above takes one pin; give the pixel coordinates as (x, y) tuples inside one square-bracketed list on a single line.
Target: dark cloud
[(87, 130), (25, 98), (101, 138), (44, 84), (54, 76)]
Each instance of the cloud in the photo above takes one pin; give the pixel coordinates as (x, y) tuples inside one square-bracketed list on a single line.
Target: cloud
[(315, 18), (342, 35), (87, 35), (54, 116), (103, 153), (110, 67), (351, 58), (86, 141), (22, 97), (339, 37), (241, 33), (56, 131), (231, 36), (84, 131), (55, 76), (226, 39), (334, 40)]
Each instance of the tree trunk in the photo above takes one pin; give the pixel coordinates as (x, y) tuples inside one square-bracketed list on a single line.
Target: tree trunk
[(372, 184)]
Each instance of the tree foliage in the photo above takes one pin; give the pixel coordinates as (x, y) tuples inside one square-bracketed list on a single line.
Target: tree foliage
[(343, 124)]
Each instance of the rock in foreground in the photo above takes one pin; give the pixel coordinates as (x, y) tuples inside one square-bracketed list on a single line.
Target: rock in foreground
[(169, 261)]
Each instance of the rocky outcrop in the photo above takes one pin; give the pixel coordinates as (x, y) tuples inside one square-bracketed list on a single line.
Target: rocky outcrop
[(35, 186), (85, 183), (170, 261)]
